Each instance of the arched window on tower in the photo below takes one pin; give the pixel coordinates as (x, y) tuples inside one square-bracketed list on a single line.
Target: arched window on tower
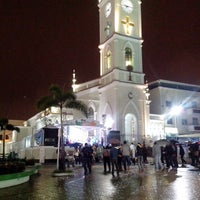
[(108, 60), (128, 57), (90, 113)]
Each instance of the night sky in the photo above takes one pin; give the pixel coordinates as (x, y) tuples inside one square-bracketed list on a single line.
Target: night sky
[(42, 41)]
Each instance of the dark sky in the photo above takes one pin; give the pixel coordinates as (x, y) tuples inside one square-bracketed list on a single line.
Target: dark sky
[(42, 41)]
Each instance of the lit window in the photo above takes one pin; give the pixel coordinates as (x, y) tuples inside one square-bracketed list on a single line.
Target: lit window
[(128, 56), (108, 60)]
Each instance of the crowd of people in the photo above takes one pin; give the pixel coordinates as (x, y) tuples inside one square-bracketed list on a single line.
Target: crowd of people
[(168, 156), (116, 158)]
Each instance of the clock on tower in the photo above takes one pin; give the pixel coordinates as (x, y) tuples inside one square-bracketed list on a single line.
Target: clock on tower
[(127, 6)]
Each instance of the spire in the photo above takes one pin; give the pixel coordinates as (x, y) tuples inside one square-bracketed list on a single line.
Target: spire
[(74, 81)]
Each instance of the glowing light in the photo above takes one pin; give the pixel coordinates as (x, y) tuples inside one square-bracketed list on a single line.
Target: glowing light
[(176, 110), (77, 135), (109, 122), (55, 109)]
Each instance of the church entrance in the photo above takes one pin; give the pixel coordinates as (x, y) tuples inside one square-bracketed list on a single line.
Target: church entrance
[(130, 128)]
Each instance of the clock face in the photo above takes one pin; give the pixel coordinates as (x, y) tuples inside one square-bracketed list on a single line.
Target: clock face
[(108, 9), (130, 95), (127, 6)]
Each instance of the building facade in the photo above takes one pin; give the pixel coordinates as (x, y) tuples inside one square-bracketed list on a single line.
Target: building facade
[(178, 106)]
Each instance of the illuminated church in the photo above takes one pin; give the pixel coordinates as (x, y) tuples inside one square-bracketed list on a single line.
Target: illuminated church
[(121, 104)]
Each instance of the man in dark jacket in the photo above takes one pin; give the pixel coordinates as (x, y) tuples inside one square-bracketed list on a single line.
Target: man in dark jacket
[(182, 153), (86, 158), (113, 158), (139, 155)]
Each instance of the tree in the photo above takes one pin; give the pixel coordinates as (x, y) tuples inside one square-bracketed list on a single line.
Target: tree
[(4, 124), (61, 99)]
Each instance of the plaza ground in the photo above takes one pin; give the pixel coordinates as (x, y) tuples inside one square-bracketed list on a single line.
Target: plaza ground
[(182, 184)]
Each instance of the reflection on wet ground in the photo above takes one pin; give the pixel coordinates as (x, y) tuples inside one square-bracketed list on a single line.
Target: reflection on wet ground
[(182, 184)]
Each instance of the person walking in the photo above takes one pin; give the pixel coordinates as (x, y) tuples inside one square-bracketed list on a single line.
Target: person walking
[(86, 158), (113, 159)]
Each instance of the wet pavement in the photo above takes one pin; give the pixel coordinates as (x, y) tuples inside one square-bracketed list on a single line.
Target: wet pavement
[(182, 184)]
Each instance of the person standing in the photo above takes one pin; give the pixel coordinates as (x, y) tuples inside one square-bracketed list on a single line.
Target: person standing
[(77, 156), (156, 151), (119, 159), (163, 155), (113, 159), (139, 155), (168, 154), (132, 147), (106, 159), (174, 155), (182, 153), (126, 150), (86, 158), (70, 156), (145, 153)]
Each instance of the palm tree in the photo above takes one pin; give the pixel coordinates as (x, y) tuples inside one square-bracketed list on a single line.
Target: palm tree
[(61, 99), (4, 124)]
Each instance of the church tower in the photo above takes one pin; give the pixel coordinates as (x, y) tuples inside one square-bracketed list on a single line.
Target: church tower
[(122, 90)]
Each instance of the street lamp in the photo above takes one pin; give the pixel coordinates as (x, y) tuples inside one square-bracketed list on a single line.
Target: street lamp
[(176, 110), (173, 113)]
